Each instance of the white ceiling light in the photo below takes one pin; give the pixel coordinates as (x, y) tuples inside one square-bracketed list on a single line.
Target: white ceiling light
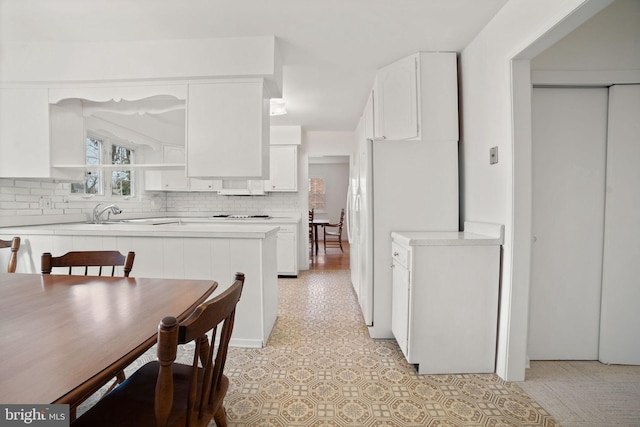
[(278, 107)]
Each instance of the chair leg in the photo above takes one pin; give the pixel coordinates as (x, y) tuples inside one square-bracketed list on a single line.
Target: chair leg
[(220, 417)]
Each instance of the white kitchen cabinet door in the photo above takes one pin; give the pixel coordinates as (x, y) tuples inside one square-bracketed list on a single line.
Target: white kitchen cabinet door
[(368, 119), (417, 98), (287, 249), (228, 130), (400, 298), (174, 179), (396, 100), (196, 184), (283, 168), (67, 139), (24, 132)]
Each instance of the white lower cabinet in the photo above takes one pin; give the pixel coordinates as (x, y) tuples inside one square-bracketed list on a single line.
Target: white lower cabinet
[(400, 305), (202, 253), (445, 300), (287, 249)]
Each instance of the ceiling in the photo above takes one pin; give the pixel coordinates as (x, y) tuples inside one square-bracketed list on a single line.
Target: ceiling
[(330, 48)]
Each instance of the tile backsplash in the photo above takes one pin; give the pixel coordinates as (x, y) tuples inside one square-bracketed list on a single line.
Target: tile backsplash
[(208, 203), (38, 201)]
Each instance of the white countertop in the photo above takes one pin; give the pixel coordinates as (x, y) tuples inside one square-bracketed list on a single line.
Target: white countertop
[(177, 226), (442, 238), (476, 234), (183, 229)]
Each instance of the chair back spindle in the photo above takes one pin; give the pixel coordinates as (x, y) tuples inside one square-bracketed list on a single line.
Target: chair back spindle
[(88, 259), (14, 244)]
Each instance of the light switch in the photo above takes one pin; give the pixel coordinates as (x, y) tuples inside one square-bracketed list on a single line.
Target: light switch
[(493, 155)]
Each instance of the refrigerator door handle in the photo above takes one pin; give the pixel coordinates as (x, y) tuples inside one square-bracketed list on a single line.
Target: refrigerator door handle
[(349, 213)]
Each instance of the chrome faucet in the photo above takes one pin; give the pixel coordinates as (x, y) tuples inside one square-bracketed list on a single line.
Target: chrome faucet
[(111, 209)]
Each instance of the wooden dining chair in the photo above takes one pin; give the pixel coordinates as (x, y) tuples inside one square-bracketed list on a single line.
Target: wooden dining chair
[(333, 238), (14, 244), (165, 393), (86, 259), (311, 240)]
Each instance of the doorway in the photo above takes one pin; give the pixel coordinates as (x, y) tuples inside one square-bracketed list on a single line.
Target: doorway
[(333, 174)]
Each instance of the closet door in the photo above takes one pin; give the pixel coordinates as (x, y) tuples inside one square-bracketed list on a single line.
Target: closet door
[(569, 148), (619, 330)]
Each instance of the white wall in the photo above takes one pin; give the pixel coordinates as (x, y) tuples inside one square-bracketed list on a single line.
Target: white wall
[(604, 49), (487, 120), (328, 143)]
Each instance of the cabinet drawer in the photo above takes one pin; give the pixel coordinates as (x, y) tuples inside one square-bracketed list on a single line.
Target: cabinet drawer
[(400, 254)]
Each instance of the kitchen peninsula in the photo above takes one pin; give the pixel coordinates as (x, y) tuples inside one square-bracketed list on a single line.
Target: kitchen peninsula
[(177, 249)]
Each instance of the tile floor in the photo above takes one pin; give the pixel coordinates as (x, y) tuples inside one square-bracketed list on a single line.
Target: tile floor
[(321, 368)]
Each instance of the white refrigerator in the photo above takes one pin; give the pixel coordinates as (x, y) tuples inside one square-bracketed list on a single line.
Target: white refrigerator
[(396, 186)]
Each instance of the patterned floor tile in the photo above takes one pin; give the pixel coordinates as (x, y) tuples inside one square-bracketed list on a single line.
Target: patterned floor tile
[(321, 368)]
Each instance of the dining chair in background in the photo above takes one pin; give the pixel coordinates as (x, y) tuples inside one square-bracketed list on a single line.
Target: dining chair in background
[(14, 244), (333, 238), (165, 393), (83, 261), (311, 240)]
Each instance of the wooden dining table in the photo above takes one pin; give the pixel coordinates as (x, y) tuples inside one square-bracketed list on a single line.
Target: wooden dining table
[(62, 336)]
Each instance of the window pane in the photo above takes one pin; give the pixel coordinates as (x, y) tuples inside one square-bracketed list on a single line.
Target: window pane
[(121, 184), (93, 148), (91, 184), (316, 193)]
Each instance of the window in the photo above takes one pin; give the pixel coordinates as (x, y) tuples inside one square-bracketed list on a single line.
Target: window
[(105, 151), (316, 194)]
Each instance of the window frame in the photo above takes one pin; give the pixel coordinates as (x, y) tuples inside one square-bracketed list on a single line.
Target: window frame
[(107, 142), (323, 193)]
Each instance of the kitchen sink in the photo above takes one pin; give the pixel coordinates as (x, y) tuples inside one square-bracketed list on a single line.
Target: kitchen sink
[(140, 221)]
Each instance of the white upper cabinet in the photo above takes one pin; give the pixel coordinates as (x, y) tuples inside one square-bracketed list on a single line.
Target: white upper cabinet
[(35, 136), (228, 130), (417, 98), (284, 168), (283, 164), (368, 119), (396, 100), (176, 179)]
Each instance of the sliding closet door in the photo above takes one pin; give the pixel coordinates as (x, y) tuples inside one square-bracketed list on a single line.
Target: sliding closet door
[(620, 326), (569, 149)]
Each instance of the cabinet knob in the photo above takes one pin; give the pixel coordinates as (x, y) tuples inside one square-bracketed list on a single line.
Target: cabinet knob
[(393, 266), (396, 254)]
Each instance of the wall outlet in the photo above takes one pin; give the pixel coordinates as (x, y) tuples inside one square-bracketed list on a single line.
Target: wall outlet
[(45, 202), (493, 155)]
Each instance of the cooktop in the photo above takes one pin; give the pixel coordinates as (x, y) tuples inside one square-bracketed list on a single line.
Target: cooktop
[(241, 216)]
